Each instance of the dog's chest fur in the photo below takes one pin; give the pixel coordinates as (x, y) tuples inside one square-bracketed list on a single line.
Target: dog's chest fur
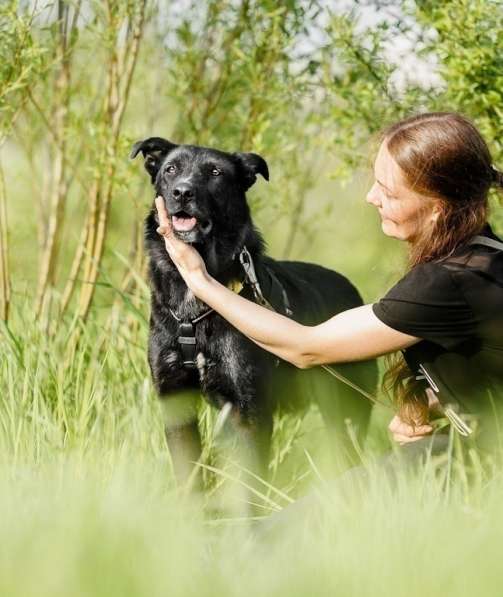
[(229, 366)]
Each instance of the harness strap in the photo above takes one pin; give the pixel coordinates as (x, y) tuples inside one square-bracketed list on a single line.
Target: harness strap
[(286, 302), (187, 337), (486, 241), (186, 331), (187, 341)]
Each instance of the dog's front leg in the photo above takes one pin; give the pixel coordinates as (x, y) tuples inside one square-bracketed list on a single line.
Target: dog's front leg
[(182, 435), (254, 442)]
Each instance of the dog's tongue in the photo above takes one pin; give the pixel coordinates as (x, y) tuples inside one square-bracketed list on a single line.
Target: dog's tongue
[(183, 223)]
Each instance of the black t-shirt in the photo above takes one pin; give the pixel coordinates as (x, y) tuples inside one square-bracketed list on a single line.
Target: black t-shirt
[(455, 306)]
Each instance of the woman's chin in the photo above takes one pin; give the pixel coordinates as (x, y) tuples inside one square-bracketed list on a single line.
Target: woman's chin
[(389, 228), (393, 231)]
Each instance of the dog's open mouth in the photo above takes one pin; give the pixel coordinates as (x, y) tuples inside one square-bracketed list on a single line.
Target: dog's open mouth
[(183, 222)]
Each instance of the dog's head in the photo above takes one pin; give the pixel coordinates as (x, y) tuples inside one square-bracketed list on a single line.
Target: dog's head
[(203, 189)]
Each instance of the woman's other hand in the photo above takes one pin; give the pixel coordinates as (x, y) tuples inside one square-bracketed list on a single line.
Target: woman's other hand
[(187, 260), (404, 433)]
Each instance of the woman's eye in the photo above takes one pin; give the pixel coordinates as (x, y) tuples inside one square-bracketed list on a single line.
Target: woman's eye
[(216, 172), (171, 169)]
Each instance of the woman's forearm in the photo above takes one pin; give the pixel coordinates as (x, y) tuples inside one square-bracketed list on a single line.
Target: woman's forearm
[(270, 330), (352, 335)]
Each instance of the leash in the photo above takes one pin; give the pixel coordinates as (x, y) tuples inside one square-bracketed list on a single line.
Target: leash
[(334, 373), (448, 409)]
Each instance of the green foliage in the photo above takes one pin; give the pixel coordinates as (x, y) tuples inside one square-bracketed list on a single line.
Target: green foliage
[(465, 40), (469, 46), (472, 70), (22, 61), (360, 100)]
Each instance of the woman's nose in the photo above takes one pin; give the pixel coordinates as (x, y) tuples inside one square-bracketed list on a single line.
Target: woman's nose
[(373, 196)]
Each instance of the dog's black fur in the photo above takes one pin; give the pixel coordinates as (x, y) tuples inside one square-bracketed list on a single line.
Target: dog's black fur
[(210, 185)]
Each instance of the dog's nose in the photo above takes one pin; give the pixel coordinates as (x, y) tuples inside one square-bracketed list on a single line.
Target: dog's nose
[(183, 191)]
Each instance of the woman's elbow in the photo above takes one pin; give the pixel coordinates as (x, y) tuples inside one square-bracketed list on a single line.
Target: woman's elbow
[(303, 356), (304, 361)]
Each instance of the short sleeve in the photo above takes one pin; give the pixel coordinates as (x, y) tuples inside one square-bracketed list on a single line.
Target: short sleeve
[(428, 304)]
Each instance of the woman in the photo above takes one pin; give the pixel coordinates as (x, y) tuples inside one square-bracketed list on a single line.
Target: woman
[(432, 173)]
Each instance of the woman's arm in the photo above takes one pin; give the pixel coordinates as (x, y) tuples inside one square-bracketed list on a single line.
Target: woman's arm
[(356, 334), (353, 335)]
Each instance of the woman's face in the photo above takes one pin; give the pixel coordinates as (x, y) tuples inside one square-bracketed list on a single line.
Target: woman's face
[(404, 213)]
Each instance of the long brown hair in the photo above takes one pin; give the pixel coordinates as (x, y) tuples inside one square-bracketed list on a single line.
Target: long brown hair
[(443, 156)]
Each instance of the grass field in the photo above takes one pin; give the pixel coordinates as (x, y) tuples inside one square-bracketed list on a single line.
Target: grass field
[(89, 505)]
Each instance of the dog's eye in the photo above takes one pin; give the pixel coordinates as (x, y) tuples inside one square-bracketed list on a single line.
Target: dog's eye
[(171, 169), (216, 172)]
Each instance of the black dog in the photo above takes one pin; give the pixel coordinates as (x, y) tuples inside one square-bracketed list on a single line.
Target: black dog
[(192, 350)]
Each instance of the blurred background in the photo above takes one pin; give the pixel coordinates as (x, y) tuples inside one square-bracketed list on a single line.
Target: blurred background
[(306, 84)]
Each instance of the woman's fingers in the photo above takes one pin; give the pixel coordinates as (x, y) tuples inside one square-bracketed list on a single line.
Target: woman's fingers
[(184, 256), (162, 213), (403, 432), (165, 229)]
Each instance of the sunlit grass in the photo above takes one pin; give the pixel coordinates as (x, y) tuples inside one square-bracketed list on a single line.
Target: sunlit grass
[(89, 506)]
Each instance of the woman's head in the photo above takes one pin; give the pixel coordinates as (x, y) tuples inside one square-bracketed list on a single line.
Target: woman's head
[(433, 174)]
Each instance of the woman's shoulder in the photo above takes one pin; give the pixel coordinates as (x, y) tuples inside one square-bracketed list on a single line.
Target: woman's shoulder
[(445, 301), (482, 255), (428, 304), (432, 280), (443, 276)]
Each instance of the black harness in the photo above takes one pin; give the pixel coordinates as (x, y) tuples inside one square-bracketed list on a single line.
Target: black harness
[(187, 338), (186, 330)]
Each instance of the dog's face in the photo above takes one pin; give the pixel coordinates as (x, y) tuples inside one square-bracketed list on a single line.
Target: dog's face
[(203, 189)]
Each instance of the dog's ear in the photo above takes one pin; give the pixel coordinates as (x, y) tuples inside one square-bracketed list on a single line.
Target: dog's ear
[(251, 164), (154, 150)]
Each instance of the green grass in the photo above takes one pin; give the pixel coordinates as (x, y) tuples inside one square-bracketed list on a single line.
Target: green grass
[(87, 498), (89, 505)]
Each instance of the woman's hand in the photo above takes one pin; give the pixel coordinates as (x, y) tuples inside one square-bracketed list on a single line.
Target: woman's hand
[(188, 261), (403, 433)]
